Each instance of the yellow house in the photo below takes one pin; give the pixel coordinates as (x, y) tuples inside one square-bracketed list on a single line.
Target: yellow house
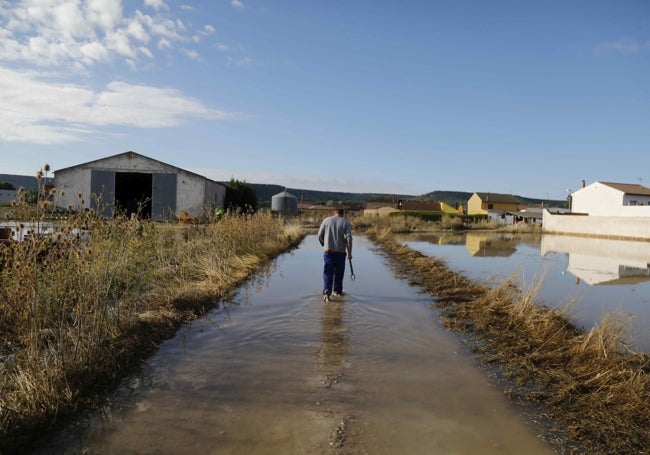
[(483, 203)]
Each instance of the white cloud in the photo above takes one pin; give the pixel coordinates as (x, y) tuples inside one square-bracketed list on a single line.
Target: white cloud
[(70, 21), (164, 43), (625, 45), (71, 32), (34, 110), (94, 51), (105, 14), (192, 54), (137, 31), (156, 4), (119, 43), (244, 61), (236, 4), (206, 31), (222, 47)]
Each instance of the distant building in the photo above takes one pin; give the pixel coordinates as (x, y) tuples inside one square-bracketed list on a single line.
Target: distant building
[(372, 205), (496, 206), (612, 199), (419, 206), (409, 205), (285, 203), (604, 209), (380, 212), (135, 184)]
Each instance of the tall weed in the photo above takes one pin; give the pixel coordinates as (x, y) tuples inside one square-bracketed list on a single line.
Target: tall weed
[(77, 305)]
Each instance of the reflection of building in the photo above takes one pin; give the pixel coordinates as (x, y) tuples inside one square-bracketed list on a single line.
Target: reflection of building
[(482, 244), (602, 261)]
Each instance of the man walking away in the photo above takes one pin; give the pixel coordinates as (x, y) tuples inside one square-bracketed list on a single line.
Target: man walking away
[(335, 236)]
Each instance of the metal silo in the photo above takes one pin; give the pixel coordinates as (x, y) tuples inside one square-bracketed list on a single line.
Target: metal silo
[(285, 203)]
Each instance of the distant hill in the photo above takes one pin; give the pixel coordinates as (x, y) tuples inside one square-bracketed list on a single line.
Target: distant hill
[(26, 181), (265, 192), (453, 198)]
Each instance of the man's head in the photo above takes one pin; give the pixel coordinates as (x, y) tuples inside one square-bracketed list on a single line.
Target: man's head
[(339, 212)]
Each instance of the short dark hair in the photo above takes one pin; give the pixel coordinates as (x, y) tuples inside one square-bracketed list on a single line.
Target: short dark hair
[(340, 212)]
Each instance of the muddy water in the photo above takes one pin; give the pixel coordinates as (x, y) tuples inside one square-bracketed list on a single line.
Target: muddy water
[(281, 372)]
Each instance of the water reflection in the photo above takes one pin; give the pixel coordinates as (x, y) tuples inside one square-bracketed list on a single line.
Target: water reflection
[(478, 244), (596, 261), (334, 344), (597, 277), (252, 381)]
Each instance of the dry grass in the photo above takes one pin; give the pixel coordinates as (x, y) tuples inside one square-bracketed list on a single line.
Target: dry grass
[(400, 223), (592, 385), (76, 315)]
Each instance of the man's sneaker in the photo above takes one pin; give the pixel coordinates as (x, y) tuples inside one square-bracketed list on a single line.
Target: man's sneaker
[(326, 298), (339, 294)]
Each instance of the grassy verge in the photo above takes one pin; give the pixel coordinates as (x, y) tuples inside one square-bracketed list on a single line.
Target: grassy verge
[(76, 315), (592, 385), (405, 223)]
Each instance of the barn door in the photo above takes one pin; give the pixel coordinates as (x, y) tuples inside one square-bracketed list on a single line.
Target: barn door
[(102, 192), (163, 199)]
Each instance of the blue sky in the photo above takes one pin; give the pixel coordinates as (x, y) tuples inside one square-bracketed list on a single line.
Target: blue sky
[(522, 97)]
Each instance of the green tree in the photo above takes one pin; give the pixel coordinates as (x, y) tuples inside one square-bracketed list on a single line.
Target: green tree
[(31, 196), (240, 194), (6, 186)]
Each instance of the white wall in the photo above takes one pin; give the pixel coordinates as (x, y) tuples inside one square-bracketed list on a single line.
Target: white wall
[(68, 184), (599, 226)]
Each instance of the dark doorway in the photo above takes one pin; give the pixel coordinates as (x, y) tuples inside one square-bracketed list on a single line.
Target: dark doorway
[(133, 193)]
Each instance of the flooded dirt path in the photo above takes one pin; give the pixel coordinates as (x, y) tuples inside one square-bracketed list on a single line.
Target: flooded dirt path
[(281, 372)]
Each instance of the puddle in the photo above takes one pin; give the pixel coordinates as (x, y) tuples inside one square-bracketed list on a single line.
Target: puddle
[(598, 277), (372, 373)]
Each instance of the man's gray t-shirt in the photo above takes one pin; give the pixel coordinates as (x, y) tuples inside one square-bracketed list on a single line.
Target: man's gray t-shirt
[(334, 233)]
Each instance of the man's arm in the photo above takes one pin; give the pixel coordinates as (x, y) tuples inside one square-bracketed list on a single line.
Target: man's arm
[(348, 240), (321, 234)]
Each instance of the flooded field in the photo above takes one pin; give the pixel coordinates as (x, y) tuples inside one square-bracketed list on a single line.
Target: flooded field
[(598, 277), (281, 372)]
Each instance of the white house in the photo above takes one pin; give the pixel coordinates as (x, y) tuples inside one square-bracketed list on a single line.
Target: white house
[(612, 199), (605, 209), (134, 183)]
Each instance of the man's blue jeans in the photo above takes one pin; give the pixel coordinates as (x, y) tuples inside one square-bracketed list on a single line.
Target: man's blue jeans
[(333, 272)]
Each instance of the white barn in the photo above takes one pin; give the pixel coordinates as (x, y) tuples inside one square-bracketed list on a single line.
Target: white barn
[(134, 183), (612, 199)]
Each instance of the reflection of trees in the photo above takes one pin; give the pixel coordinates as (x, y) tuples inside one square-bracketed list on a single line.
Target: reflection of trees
[(330, 357)]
